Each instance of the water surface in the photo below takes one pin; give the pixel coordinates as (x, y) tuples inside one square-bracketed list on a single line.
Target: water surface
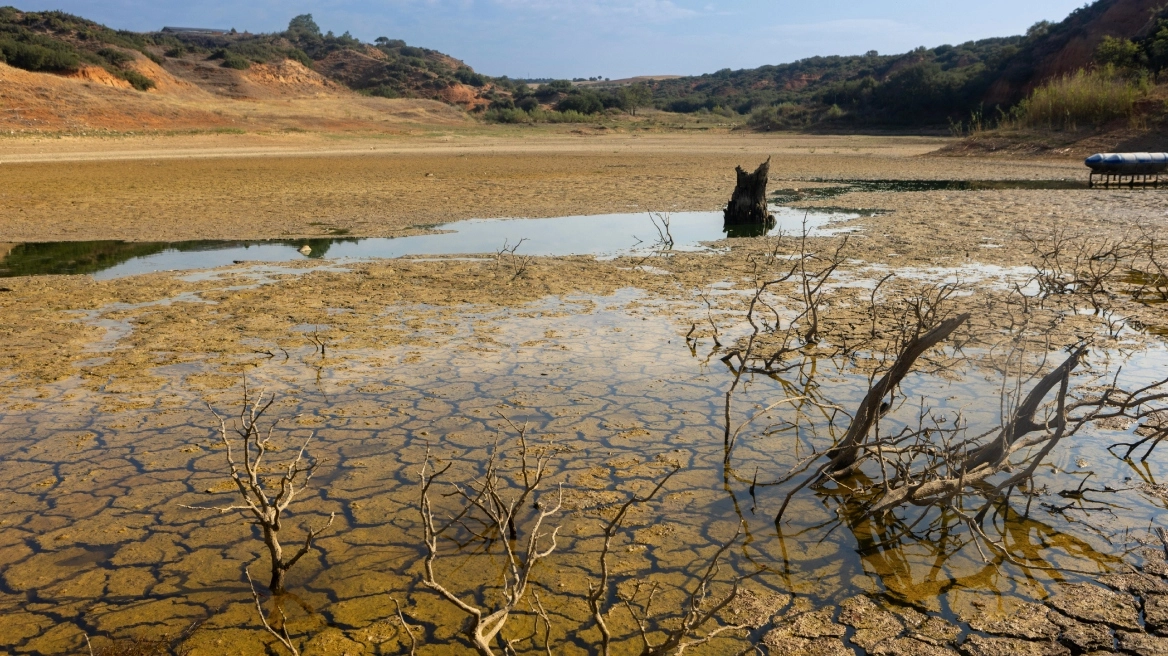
[(608, 235)]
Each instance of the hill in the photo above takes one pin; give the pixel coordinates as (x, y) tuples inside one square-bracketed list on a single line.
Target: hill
[(301, 60), (925, 87), (188, 77)]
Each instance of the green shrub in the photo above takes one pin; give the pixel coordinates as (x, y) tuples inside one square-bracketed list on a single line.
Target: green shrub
[(140, 82), (469, 77), (1120, 53), (512, 115), (114, 56), (38, 54), (233, 60), (382, 91), (535, 116), (298, 55), (587, 102), (1083, 99), (785, 116)]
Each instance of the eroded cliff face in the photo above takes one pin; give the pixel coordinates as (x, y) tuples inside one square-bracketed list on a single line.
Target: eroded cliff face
[(1071, 45)]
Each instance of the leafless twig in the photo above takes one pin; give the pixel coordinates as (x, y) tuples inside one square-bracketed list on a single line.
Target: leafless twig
[(267, 509), (486, 495)]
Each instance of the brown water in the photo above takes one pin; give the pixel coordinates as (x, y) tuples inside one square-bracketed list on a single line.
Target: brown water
[(93, 539)]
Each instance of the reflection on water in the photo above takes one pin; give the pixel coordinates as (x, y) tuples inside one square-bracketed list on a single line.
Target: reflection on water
[(78, 257), (93, 535), (605, 236)]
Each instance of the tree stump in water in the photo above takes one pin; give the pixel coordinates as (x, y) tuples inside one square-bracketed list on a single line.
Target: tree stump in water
[(748, 205)]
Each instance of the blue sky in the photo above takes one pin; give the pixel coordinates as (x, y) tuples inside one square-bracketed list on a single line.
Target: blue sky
[(609, 38)]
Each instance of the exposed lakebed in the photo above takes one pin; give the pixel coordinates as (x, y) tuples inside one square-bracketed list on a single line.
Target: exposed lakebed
[(431, 355)]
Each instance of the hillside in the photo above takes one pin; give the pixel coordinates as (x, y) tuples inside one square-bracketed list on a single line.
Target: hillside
[(925, 87), (176, 78), (301, 61)]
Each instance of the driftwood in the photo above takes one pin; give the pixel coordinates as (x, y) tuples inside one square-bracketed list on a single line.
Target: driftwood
[(748, 205), (847, 453)]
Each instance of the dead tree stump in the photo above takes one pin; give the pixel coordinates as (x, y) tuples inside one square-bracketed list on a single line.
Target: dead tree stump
[(748, 205)]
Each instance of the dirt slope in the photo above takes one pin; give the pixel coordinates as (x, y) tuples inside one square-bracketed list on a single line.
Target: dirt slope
[(269, 97), (285, 79)]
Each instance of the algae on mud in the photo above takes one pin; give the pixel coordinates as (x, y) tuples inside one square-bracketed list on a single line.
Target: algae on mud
[(97, 542)]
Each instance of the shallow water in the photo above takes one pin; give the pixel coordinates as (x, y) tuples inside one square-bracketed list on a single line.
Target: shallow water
[(93, 536), (607, 235)]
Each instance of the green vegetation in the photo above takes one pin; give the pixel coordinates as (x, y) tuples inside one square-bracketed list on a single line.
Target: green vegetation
[(535, 116), (1084, 99), (1147, 56), (922, 87), (33, 52), (932, 87), (560, 101), (56, 42)]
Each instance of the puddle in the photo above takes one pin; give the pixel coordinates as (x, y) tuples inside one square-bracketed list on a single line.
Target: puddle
[(90, 495), (608, 235), (835, 188)]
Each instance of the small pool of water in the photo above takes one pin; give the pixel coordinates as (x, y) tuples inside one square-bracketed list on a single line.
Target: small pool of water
[(608, 235)]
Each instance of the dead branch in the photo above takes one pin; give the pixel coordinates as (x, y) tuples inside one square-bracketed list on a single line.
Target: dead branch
[(812, 282), (696, 613), (1075, 264), (661, 222), (282, 634), (599, 591), (486, 496), (517, 263), (845, 454), (267, 509), (405, 625)]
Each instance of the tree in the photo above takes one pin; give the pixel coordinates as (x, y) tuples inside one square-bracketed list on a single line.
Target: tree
[(1120, 53), (1041, 28), (303, 25), (634, 97)]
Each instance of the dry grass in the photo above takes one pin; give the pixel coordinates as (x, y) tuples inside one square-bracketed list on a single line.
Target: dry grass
[(1081, 100)]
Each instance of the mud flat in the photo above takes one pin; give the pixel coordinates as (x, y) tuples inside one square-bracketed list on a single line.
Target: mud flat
[(265, 187), (619, 364)]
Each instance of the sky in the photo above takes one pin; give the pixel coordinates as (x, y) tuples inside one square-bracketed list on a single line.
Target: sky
[(604, 38)]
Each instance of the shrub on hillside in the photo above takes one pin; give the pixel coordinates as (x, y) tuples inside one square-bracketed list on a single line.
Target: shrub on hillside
[(40, 54), (1120, 53), (785, 116), (140, 82), (232, 59), (114, 56), (382, 91)]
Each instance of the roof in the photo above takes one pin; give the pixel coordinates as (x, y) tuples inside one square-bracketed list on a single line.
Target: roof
[(198, 30)]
